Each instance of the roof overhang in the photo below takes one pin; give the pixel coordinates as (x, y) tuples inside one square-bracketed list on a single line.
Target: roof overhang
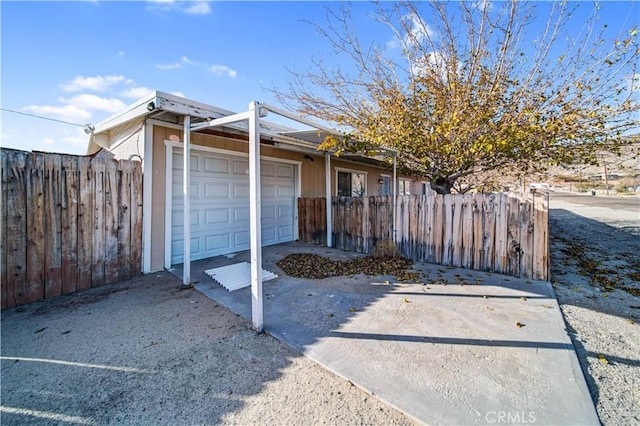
[(172, 109)]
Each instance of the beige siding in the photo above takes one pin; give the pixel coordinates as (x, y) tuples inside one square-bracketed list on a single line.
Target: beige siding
[(127, 141), (158, 198)]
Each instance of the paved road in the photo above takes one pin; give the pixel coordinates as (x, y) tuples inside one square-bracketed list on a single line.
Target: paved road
[(619, 212), (630, 204)]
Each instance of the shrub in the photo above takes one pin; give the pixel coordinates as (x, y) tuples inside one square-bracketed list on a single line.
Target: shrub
[(385, 249)]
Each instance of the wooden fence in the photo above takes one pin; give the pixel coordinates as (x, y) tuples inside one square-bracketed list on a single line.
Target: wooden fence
[(68, 223), (499, 233)]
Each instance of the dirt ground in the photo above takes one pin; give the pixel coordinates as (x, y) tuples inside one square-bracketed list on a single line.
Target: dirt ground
[(595, 266), (163, 356)]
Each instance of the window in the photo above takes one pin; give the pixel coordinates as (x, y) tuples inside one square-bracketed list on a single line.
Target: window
[(385, 185), (404, 187), (352, 184), (425, 188)]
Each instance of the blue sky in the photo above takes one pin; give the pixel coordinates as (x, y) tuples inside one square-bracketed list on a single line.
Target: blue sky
[(82, 61)]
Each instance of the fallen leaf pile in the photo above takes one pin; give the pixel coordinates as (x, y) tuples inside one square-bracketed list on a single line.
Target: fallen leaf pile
[(306, 265)]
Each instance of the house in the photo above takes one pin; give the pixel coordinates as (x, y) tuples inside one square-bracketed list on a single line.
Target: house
[(152, 131)]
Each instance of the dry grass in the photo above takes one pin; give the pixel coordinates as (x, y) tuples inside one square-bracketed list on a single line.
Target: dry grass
[(385, 249)]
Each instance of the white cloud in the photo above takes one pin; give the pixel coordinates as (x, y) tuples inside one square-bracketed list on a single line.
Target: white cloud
[(178, 94), (216, 69), (483, 5), (69, 113), (189, 7), (97, 83), (223, 70), (121, 54), (169, 66), (136, 92), (417, 31), (48, 142), (93, 102), (197, 8), (79, 140), (434, 61)]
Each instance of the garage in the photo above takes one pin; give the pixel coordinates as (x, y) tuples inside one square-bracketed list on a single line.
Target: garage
[(220, 203)]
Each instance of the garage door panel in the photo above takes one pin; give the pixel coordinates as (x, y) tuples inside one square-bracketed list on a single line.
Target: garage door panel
[(216, 216), (285, 212), (240, 167), (216, 165), (268, 212), (268, 191), (217, 242), (216, 190), (241, 239), (241, 215), (284, 191), (178, 246), (269, 235), (285, 232), (267, 170), (194, 191), (285, 171), (220, 204), (177, 219), (195, 163), (241, 190)]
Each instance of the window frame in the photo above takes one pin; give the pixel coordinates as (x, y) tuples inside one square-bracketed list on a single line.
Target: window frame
[(388, 179), (405, 181), (352, 172)]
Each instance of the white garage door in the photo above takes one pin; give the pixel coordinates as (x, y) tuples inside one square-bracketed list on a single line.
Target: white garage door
[(220, 204)]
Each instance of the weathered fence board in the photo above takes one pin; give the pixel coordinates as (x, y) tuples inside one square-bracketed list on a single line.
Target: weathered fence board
[(69, 223), (489, 236), (526, 239), (136, 219), (3, 230), (52, 214), (124, 221), (467, 235), (478, 231), (85, 224), (540, 236), (36, 269), (112, 178), (16, 225), (487, 232)]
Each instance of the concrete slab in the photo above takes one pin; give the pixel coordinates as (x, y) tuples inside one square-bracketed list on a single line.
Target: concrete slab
[(464, 348)]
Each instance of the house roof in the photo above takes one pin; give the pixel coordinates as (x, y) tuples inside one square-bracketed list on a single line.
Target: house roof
[(171, 109)]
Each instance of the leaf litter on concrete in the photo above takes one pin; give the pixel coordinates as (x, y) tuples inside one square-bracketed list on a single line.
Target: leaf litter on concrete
[(313, 266)]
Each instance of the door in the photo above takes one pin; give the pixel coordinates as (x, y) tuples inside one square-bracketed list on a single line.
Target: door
[(220, 204)]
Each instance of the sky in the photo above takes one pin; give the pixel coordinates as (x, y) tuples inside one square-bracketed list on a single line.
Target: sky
[(82, 61)]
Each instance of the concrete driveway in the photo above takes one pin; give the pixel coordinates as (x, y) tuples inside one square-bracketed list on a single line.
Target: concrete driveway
[(465, 348)]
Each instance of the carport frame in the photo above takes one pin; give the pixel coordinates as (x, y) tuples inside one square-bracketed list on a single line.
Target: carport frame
[(254, 114)]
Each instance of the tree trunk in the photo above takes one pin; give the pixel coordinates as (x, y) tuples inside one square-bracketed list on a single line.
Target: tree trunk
[(442, 185)]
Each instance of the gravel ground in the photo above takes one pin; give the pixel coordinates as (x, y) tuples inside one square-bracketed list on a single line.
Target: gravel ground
[(595, 266), (146, 352)]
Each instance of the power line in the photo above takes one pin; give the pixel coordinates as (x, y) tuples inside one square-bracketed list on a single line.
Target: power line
[(44, 118)]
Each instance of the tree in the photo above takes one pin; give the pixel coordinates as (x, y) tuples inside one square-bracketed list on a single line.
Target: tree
[(466, 89)]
